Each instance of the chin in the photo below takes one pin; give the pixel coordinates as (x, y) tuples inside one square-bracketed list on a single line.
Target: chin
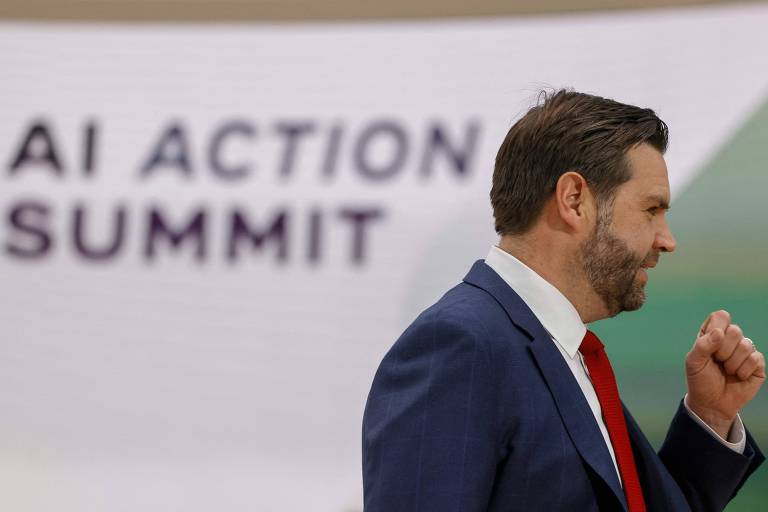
[(634, 300)]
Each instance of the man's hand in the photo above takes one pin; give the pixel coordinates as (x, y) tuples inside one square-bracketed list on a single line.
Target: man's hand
[(724, 372)]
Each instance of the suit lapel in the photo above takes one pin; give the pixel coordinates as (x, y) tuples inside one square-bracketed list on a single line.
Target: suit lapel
[(569, 399), (575, 412)]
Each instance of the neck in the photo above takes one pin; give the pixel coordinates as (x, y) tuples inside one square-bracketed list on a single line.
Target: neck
[(559, 265)]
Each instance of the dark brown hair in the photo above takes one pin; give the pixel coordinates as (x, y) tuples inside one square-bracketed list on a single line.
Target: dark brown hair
[(567, 131)]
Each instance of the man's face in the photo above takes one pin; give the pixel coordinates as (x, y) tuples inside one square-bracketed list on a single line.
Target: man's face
[(630, 234)]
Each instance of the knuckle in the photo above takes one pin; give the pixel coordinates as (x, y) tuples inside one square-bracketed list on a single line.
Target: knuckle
[(734, 330)]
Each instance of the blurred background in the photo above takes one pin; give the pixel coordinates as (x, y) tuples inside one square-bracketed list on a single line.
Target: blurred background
[(217, 216)]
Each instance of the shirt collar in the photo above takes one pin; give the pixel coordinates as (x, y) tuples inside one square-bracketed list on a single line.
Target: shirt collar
[(555, 312)]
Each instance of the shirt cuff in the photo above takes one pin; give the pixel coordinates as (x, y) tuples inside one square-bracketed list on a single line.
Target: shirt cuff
[(736, 440)]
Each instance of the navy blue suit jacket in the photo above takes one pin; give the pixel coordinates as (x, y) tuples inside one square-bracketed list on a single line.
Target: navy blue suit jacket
[(474, 409)]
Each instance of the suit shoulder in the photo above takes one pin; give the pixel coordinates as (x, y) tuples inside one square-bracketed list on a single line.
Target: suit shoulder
[(465, 311), (469, 306), (449, 337)]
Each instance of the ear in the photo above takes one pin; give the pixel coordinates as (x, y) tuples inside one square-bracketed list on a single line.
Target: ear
[(574, 201)]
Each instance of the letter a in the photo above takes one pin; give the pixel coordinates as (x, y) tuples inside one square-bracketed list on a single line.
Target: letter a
[(171, 150), (38, 148)]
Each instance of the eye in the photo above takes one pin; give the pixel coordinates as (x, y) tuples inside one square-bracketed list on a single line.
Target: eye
[(653, 210)]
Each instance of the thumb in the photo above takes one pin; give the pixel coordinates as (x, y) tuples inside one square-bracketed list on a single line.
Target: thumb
[(703, 349)]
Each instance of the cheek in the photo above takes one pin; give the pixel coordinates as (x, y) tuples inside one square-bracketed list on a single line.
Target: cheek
[(637, 233), (643, 247), (638, 246), (639, 240), (642, 240)]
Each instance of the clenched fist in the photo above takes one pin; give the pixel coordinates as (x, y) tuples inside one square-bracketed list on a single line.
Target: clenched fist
[(724, 372)]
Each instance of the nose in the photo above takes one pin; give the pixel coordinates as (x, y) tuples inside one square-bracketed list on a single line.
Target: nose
[(665, 240)]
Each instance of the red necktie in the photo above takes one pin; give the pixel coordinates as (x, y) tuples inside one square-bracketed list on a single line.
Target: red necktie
[(608, 395)]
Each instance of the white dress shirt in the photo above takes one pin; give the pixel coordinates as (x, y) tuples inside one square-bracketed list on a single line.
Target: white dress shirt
[(563, 323)]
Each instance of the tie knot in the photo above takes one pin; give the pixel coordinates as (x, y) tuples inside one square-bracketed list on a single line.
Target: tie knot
[(590, 344)]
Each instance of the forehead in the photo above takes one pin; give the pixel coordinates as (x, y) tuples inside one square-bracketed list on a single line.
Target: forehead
[(649, 174)]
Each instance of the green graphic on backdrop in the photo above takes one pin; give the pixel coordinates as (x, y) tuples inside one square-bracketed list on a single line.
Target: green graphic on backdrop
[(721, 226)]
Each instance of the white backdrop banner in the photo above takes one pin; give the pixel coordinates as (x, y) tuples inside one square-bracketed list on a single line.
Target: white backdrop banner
[(210, 235)]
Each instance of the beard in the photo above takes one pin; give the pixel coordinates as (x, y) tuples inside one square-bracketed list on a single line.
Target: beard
[(611, 268)]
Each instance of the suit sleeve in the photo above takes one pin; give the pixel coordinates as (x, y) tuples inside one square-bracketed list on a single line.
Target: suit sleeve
[(708, 473), (429, 428)]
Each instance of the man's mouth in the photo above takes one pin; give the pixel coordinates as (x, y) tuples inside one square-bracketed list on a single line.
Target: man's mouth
[(651, 263)]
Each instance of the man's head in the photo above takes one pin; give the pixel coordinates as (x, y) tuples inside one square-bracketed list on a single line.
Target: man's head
[(585, 176), (567, 131)]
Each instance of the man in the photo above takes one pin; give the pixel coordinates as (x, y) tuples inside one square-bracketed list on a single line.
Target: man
[(498, 398)]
